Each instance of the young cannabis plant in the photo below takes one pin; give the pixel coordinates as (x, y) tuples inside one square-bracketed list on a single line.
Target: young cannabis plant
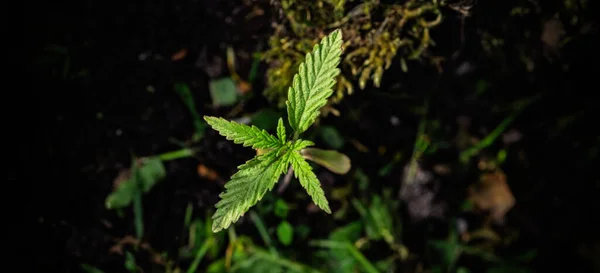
[(311, 87)]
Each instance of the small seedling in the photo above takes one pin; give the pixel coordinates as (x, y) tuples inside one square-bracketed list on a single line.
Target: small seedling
[(311, 87)]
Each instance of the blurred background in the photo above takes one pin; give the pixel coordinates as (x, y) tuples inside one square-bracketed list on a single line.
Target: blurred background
[(470, 125)]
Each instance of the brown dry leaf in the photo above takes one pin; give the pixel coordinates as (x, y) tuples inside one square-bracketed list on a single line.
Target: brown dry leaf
[(208, 173), (492, 194), (244, 87), (179, 54)]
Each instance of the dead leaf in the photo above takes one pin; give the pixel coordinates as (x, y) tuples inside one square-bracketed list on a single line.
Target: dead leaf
[(493, 195), (244, 87), (208, 173), (179, 54)]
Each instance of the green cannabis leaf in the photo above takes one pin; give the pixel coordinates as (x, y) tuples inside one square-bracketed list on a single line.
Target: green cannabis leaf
[(313, 83), (248, 186), (311, 88), (309, 181), (243, 134), (281, 130)]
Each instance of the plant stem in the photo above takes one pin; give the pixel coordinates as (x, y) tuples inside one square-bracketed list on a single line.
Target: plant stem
[(293, 266), (183, 153), (199, 255), (360, 258), (263, 232)]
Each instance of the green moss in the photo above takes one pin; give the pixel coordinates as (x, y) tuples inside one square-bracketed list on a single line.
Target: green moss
[(375, 34)]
